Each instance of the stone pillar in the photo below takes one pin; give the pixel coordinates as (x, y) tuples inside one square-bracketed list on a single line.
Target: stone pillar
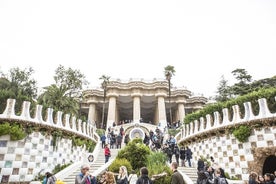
[(162, 120), (111, 116), (181, 112), (117, 115), (156, 115), (136, 109), (92, 112)]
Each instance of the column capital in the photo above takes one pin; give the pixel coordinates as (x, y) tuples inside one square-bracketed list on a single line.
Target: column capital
[(161, 95), (180, 101), (136, 95), (112, 95)]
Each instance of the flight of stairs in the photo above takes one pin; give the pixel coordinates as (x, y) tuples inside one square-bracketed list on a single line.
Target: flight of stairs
[(191, 172), (96, 164)]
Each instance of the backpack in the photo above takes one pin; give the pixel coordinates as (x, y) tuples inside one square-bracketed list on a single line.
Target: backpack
[(146, 181), (222, 180)]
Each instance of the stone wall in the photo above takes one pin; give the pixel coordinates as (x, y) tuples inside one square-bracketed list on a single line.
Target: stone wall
[(21, 161), (237, 158)]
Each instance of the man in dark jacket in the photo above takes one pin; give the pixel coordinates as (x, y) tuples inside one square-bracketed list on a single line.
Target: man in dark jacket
[(144, 178), (177, 177)]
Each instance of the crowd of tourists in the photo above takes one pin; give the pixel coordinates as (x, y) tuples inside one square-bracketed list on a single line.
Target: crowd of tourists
[(108, 177)]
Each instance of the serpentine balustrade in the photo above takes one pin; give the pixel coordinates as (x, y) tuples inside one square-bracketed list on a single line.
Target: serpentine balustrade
[(209, 138), (24, 159)]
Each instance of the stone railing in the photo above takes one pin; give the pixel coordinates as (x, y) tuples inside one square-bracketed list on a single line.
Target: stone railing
[(77, 127), (204, 125)]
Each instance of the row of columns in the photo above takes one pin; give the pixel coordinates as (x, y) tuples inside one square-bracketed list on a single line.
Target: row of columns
[(160, 113)]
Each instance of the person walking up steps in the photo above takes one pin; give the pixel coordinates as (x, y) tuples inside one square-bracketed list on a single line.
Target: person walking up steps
[(107, 153), (177, 177)]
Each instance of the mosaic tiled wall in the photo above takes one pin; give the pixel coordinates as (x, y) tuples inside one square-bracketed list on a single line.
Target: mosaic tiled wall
[(232, 155), (23, 160)]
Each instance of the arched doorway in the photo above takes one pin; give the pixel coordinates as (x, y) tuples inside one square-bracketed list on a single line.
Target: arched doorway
[(269, 164), (264, 157)]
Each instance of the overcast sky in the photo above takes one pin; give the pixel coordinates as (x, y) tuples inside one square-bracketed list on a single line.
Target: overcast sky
[(202, 39)]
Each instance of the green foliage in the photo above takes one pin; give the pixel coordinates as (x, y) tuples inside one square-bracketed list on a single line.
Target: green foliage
[(100, 132), (4, 129), (156, 158), (60, 167), (166, 179), (136, 153), (156, 163), (72, 79), (118, 162), (173, 131), (57, 134), (15, 131), (268, 93), (89, 145), (22, 83), (242, 133)]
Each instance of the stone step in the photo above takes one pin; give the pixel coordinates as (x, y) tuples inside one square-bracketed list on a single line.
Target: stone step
[(100, 161)]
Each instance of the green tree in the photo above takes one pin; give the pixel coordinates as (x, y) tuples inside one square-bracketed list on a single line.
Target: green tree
[(243, 86), (22, 83), (58, 99), (223, 91), (65, 95), (169, 71), (74, 80), (17, 84)]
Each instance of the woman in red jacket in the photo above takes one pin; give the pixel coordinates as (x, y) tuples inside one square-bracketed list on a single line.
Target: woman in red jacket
[(107, 153)]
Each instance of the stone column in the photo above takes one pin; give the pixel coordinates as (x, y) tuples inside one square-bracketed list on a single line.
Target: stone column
[(92, 112), (181, 112), (111, 116), (162, 120), (136, 109)]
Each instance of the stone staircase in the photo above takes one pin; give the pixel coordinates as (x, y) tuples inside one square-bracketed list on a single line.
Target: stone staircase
[(99, 162), (191, 172)]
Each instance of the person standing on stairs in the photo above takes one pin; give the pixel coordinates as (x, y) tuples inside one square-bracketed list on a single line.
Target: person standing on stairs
[(189, 154), (107, 153), (177, 177), (103, 138)]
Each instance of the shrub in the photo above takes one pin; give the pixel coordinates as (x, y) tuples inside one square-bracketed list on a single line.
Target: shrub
[(156, 164), (242, 133), (114, 167), (136, 153)]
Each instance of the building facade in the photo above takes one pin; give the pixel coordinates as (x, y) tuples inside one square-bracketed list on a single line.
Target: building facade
[(139, 101)]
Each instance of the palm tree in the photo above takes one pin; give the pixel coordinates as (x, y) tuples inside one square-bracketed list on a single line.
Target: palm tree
[(104, 86), (169, 72), (57, 97)]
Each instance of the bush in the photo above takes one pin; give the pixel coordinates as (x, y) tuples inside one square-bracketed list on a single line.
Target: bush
[(15, 131), (156, 164), (114, 167), (242, 133), (136, 153)]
